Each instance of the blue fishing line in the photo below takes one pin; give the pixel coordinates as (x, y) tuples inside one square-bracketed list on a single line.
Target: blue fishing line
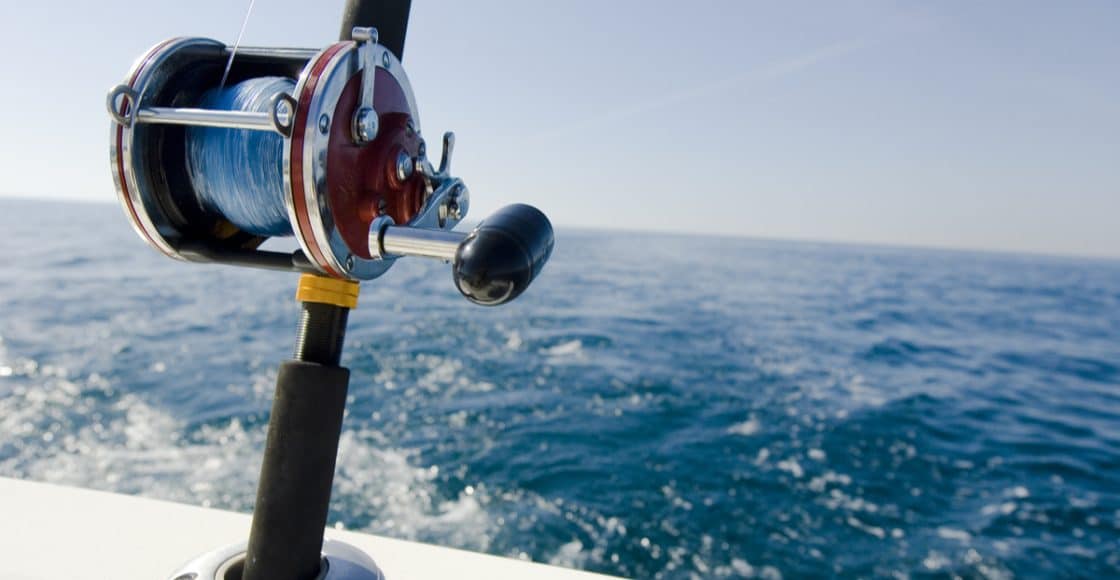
[(240, 173)]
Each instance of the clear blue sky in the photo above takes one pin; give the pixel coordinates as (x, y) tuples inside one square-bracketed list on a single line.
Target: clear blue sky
[(989, 125)]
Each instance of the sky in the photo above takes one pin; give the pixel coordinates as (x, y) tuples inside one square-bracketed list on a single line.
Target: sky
[(985, 125)]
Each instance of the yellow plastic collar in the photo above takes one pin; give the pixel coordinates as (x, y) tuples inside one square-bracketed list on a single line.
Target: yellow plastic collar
[(323, 290)]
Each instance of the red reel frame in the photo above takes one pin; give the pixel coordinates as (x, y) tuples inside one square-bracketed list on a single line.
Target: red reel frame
[(336, 187)]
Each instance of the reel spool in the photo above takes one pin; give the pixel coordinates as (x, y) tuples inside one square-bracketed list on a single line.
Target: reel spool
[(321, 145)]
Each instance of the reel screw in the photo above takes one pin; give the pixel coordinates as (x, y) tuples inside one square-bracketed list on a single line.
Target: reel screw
[(451, 209), (283, 111), (366, 125), (405, 165), (364, 34), (349, 262), (385, 59), (324, 124)]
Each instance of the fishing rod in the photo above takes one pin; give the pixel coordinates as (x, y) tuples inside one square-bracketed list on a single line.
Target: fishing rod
[(216, 149)]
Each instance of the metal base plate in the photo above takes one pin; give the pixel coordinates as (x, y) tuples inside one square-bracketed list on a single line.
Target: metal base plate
[(341, 561)]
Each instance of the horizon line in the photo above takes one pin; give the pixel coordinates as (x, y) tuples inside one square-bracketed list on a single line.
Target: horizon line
[(713, 234)]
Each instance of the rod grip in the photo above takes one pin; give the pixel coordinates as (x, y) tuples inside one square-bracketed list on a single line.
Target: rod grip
[(286, 539)]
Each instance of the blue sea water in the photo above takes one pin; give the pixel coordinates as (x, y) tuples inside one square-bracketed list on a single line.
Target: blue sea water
[(655, 406)]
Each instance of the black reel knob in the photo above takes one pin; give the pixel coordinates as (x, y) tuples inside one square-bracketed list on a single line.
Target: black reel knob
[(498, 260)]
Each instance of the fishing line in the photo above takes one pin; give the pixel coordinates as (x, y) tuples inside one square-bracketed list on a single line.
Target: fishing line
[(235, 172), (236, 45), (239, 173)]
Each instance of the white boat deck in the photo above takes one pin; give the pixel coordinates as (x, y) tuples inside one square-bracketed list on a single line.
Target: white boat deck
[(53, 532)]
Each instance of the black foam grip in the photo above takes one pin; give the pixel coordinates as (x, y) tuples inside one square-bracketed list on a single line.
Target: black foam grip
[(389, 17), (286, 539), (498, 260)]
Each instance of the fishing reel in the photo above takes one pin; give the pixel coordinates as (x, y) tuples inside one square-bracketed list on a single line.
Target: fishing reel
[(213, 155)]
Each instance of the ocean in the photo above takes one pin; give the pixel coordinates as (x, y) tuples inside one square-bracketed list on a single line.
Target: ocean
[(655, 406)]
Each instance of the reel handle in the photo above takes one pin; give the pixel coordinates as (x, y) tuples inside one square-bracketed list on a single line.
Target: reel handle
[(491, 265)]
